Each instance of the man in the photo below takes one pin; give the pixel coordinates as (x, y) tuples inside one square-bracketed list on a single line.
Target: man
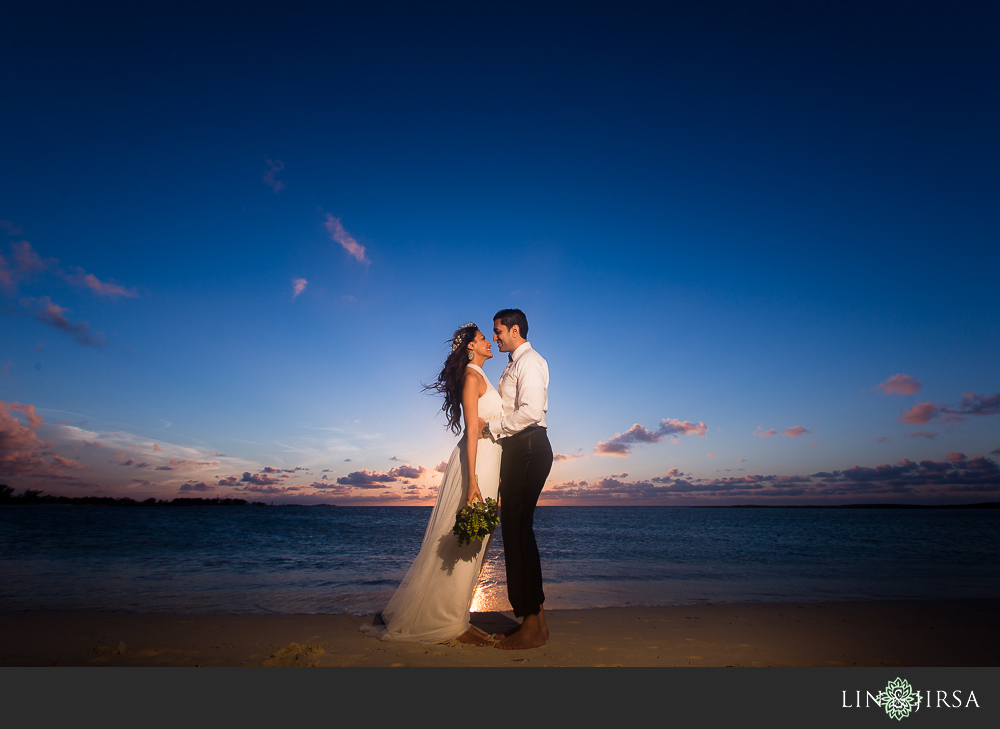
[(524, 466)]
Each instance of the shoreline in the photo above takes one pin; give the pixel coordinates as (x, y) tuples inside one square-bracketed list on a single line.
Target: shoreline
[(887, 633)]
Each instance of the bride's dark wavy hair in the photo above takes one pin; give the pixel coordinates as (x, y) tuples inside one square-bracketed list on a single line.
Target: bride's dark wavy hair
[(451, 378)]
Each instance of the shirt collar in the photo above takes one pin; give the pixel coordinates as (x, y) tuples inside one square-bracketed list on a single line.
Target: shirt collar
[(519, 352)]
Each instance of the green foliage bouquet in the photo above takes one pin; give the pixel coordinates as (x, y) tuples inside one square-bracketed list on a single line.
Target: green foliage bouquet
[(475, 523)]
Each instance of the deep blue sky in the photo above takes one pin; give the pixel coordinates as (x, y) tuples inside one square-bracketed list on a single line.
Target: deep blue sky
[(745, 216)]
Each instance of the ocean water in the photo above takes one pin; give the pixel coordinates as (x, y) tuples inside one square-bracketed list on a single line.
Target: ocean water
[(297, 559)]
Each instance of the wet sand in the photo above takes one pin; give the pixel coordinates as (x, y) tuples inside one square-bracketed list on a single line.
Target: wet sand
[(891, 633)]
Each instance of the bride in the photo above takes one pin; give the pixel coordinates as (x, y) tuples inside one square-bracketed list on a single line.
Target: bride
[(431, 604)]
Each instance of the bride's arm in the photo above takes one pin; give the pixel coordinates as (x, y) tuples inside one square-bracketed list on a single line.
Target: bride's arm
[(470, 409)]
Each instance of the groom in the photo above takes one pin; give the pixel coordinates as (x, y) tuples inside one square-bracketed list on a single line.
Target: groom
[(524, 466)]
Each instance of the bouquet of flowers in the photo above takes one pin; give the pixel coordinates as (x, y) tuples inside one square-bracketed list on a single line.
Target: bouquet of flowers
[(475, 523)]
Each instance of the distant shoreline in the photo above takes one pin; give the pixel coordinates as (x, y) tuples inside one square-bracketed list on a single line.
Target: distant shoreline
[(230, 502)]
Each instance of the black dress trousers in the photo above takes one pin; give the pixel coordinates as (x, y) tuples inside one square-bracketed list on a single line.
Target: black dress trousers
[(524, 466)]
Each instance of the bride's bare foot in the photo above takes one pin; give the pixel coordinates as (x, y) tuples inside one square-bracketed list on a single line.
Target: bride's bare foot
[(528, 635), (474, 636)]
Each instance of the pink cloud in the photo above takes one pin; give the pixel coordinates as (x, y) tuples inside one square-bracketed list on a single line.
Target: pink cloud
[(27, 260), (271, 490), (921, 413), (22, 451), (441, 467), (177, 463), (955, 457), (273, 168), (298, 286), (258, 479), (48, 312), (970, 404), (761, 433), (621, 443), (900, 385), (337, 232), (24, 261), (20, 448), (90, 281), (796, 431), (558, 457)]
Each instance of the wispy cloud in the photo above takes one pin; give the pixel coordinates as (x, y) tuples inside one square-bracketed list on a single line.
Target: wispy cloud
[(298, 286), (900, 385), (273, 168), (796, 431), (101, 288), (24, 262), (621, 443), (9, 228), (337, 232), (558, 457), (48, 312)]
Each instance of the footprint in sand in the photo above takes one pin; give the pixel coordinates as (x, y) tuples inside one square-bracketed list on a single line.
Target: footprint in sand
[(294, 654), (107, 652)]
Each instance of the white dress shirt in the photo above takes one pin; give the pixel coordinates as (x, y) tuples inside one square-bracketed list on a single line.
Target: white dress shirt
[(524, 388)]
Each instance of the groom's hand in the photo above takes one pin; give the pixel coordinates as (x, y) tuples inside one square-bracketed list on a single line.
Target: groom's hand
[(482, 425)]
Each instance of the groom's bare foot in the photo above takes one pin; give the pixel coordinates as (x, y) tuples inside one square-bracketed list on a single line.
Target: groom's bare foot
[(474, 636), (528, 635), (541, 619)]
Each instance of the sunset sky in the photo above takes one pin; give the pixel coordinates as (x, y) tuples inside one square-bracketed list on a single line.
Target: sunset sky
[(757, 243)]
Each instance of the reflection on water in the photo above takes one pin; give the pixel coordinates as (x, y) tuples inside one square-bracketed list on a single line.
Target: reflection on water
[(337, 560)]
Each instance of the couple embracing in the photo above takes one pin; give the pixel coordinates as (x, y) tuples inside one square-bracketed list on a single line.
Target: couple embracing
[(504, 451)]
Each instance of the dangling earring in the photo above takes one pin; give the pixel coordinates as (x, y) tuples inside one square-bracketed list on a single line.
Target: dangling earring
[(471, 355)]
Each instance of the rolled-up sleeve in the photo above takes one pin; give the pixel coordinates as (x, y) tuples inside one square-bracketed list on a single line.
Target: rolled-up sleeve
[(531, 399)]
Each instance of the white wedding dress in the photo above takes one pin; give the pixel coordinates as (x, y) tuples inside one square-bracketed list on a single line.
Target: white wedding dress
[(431, 604)]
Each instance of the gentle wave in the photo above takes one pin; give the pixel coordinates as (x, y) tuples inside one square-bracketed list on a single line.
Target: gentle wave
[(204, 559)]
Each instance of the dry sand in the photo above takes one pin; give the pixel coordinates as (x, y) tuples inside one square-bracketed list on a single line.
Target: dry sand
[(893, 633)]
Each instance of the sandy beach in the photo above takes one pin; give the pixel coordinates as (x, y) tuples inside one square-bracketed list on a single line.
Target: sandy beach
[(930, 633)]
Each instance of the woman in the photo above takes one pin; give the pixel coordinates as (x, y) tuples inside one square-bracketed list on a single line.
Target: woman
[(431, 604)]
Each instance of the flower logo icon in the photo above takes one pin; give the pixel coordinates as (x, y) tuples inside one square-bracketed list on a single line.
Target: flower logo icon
[(899, 699)]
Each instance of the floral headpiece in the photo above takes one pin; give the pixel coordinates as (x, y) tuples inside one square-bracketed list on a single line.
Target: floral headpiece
[(456, 341)]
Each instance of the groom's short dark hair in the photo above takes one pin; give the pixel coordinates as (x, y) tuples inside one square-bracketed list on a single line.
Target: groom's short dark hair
[(511, 318)]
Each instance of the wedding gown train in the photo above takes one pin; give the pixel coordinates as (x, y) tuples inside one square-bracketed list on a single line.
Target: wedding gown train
[(431, 604)]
